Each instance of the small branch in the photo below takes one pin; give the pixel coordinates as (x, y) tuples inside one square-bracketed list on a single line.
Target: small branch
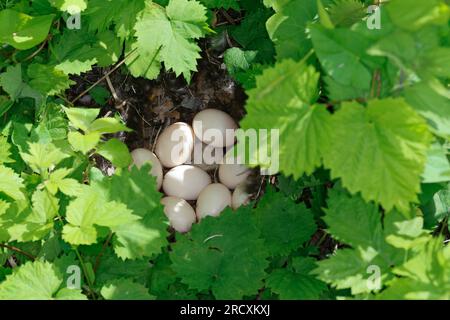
[(18, 250), (104, 77), (31, 56)]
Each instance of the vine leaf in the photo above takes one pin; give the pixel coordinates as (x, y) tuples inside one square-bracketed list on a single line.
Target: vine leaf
[(37, 280), (379, 151)]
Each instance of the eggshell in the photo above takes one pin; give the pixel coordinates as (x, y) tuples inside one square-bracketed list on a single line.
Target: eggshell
[(141, 156), (212, 200), (179, 212), (233, 174), (185, 182), (215, 127), (240, 196), (175, 145)]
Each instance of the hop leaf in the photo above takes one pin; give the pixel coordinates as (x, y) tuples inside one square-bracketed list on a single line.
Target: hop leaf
[(37, 281), (125, 289), (295, 283), (222, 254), (289, 228), (287, 107), (379, 151), (168, 34), (345, 13)]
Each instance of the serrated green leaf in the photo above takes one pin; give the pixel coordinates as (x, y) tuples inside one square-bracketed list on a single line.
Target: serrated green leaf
[(91, 209), (283, 101), (137, 189), (345, 13), (5, 151), (170, 32), (48, 80), (379, 151), (289, 228), (81, 118), (41, 157), (37, 281), (296, 284), (125, 289), (224, 242), (83, 142), (70, 6), (287, 27), (11, 184)]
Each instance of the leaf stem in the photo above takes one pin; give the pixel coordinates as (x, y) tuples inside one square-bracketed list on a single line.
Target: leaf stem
[(83, 266), (18, 250)]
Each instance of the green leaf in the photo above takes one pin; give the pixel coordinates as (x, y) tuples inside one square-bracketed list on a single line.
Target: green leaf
[(282, 101), (100, 95), (345, 13), (48, 80), (341, 53), (83, 142), (81, 118), (11, 184), (101, 14), (296, 284), (45, 205), (5, 151), (431, 105), (237, 59), (418, 16), (112, 267), (108, 125), (252, 35), (91, 209), (125, 289), (325, 19), (207, 257), (437, 168), (70, 6), (424, 277), (23, 31), (41, 157), (287, 27), (137, 189), (345, 212), (379, 151), (291, 226), (225, 4), (58, 181), (37, 281), (115, 151), (170, 32)]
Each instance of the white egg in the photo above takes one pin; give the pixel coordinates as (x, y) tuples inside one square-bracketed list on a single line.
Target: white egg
[(175, 145), (233, 174), (215, 127), (212, 200), (240, 196), (185, 182), (141, 156), (206, 157), (180, 213)]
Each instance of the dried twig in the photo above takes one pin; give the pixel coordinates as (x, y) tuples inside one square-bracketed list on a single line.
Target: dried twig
[(104, 77)]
